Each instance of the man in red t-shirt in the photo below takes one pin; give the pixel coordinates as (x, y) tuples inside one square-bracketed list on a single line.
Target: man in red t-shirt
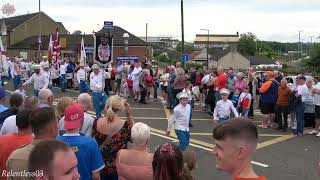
[(221, 81), (11, 142), (236, 142)]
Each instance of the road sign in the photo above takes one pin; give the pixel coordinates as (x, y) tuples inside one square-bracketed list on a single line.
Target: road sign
[(184, 57), (108, 24), (128, 58)]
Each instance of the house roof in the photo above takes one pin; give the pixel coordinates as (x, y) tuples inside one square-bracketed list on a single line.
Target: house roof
[(15, 21), (226, 38), (73, 41), (118, 37), (218, 53), (257, 60)]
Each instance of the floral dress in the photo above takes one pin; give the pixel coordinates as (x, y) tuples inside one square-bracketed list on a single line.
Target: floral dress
[(109, 152)]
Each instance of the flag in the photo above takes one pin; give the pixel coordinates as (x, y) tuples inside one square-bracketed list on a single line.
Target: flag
[(50, 48), (56, 60), (83, 55), (3, 60)]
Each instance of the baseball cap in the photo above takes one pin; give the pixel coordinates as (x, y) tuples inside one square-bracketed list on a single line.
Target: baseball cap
[(224, 91), (2, 93), (95, 66), (302, 77), (73, 116)]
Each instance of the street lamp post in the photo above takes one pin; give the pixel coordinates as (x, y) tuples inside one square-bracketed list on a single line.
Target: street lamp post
[(208, 41)]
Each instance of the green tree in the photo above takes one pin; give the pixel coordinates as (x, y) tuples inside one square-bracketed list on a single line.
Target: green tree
[(313, 63), (247, 44), (187, 48)]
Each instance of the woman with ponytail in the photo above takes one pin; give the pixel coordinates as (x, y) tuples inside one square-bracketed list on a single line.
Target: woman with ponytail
[(113, 134)]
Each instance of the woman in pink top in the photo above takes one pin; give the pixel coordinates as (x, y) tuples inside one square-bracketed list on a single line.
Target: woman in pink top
[(136, 163), (241, 83)]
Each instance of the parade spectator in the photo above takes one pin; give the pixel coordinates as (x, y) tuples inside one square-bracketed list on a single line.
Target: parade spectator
[(86, 127), (211, 97), (136, 80), (282, 106), (178, 65), (168, 163), (178, 84), (235, 98), (113, 134), (86, 149), (12, 141), (156, 82), (2, 99), (136, 163), (181, 119), (56, 160), (149, 83), (62, 77), (143, 86), (39, 79), (236, 142), (224, 107), (268, 99), (171, 98), (45, 98), (190, 162), (130, 82), (240, 83), (302, 93), (119, 73), (316, 130), (164, 84), (43, 123), (15, 102), (253, 85), (231, 82), (97, 80), (61, 106), (245, 102), (107, 82), (9, 124), (309, 112), (221, 82), (293, 100), (278, 76), (113, 76)]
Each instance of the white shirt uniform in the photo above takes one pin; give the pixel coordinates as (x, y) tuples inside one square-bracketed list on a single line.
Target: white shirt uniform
[(136, 76), (63, 69), (40, 81), (97, 82), (180, 117), (47, 74), (82, 74), (44, 63), (223, 109)]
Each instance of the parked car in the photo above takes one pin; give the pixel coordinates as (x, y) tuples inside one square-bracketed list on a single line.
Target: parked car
[(292, 80)]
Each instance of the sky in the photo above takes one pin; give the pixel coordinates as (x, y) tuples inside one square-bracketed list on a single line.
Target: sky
[(271, 20)]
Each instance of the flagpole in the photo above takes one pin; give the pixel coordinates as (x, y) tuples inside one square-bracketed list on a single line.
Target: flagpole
[(39, 40)]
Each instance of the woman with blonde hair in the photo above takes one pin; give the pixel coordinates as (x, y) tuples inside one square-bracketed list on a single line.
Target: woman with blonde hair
[(113, 134), (61, 106)]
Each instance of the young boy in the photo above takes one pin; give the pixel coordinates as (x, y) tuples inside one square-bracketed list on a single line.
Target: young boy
[(188, 90), (235, 97), (223, 109), (181, 117), (244, 102)]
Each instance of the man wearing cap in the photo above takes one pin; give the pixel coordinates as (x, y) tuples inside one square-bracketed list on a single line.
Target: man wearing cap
[(97, 80), (40, 80), (222, 111), (2, 99), (180, 118), (301, 93), (63, 70), (85, 148), (268, 99), (44, 62), (136, 79), (47, 74), (82, 78)]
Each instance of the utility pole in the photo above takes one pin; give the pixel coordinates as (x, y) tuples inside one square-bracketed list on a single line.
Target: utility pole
[(182, 31), (208, 42), (40, 29), (146, 32), (299, 44)]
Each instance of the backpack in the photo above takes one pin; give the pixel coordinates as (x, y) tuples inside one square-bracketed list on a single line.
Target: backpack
[(149, 81), (113, 72)]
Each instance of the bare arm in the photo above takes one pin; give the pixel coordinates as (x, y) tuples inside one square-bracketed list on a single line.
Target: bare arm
[(96, 176), (129, 113)]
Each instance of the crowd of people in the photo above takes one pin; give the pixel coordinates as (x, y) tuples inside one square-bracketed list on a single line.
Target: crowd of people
[(66, 142)]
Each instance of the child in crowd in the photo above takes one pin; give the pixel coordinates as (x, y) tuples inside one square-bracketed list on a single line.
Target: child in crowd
[(244, 102), (235, 97), (223, 109), (149, 80), (190, 164), (181, 117), (125, 87), (188, 90)]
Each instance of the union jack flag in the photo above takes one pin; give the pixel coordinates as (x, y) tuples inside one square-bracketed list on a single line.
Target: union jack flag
[(56, 59)]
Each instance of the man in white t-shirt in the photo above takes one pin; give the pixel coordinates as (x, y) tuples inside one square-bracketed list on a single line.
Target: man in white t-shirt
[(63, 69), (302, 92), (316, 131)]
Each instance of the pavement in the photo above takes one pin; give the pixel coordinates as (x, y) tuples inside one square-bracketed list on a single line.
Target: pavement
[(279, 156)]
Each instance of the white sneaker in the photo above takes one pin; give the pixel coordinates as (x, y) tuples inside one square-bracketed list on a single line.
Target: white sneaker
[(313, 132), (318, 135)]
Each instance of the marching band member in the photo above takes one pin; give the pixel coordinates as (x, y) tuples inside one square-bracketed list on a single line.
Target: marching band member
[(63, 70), (47, 74), (97, 80), (40, 80), (44, 62), (82, 78)]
